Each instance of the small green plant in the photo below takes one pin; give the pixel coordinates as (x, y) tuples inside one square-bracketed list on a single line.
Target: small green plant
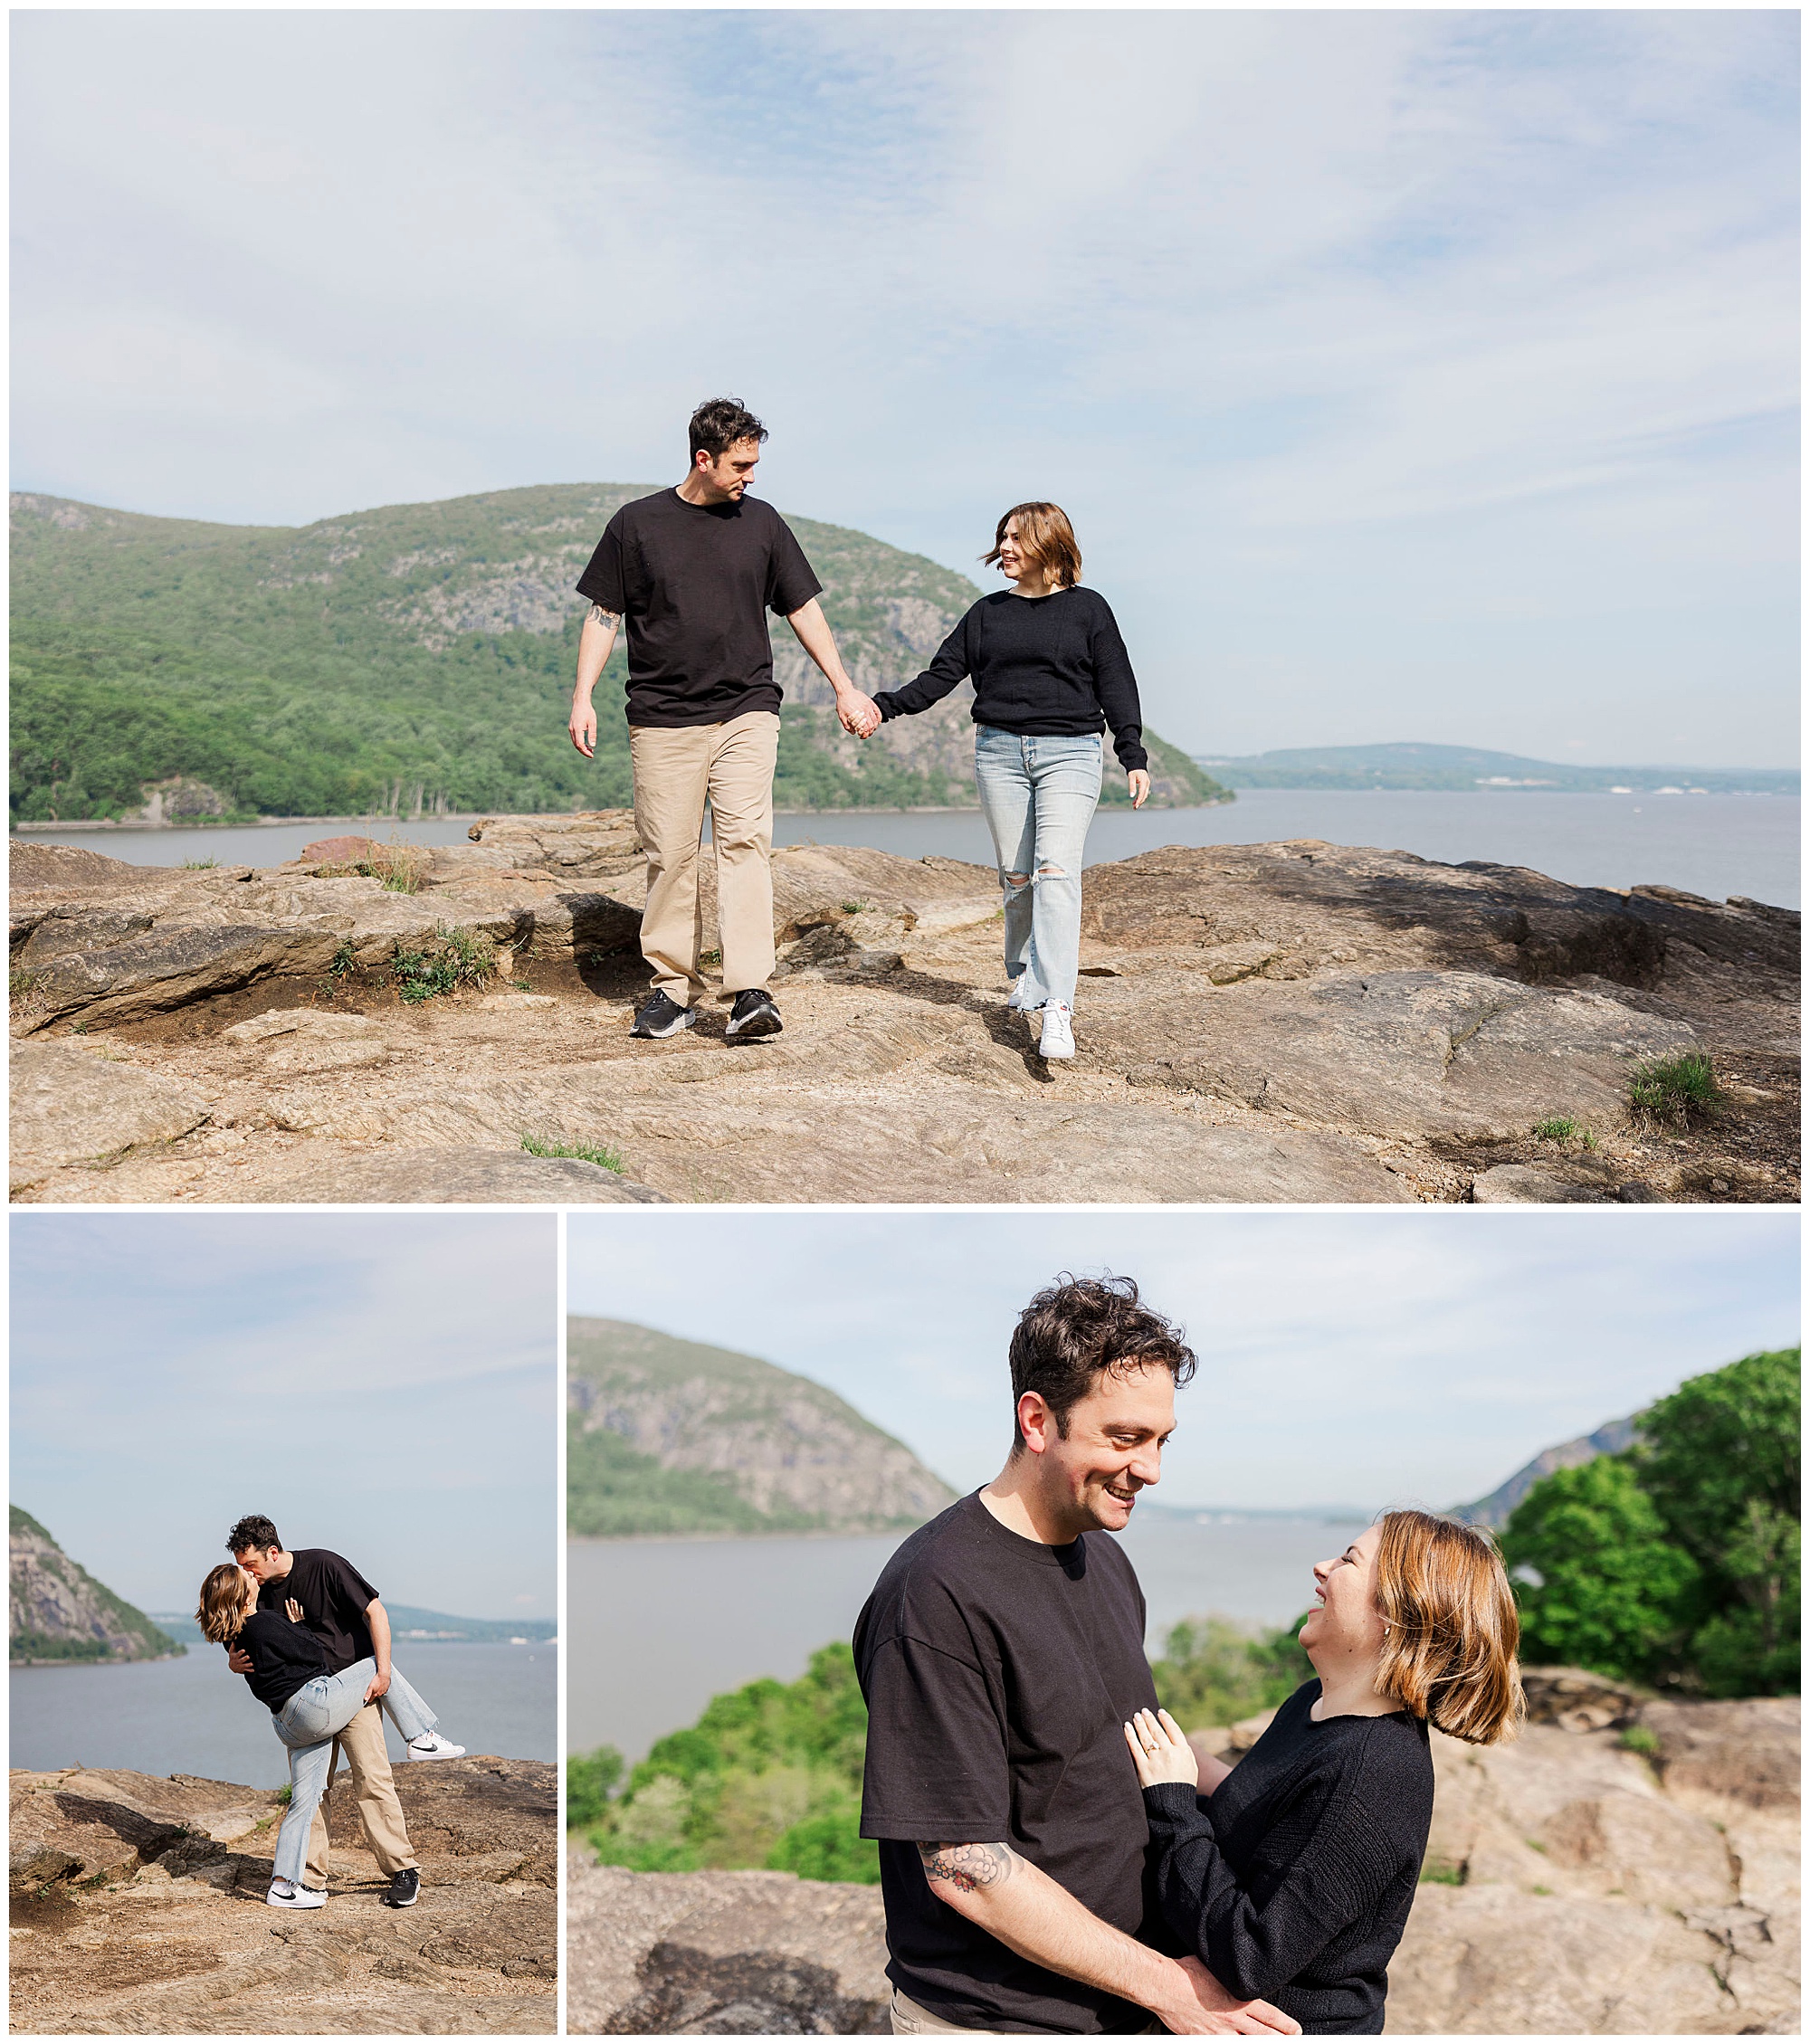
[(1555, 1129), (1639, 1738), (1538, 1890), (611, 1160), (26, 984), (1536, 1845), (345, 960), (521, 985), (198, 865), (1442, 1874), (450, 958), (710, 958), (286, 1791), (855, 907), (1674, 1092)]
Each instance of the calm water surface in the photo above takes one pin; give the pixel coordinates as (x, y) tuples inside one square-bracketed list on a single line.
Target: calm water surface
[(191, 1716), (1714, 845), (656, 1627)]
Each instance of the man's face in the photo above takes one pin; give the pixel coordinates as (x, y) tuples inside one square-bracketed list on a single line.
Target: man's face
[(259, 1562), (1114, 1446), (726, 476)]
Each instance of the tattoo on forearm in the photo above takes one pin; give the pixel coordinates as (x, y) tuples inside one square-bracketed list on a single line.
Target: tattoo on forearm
[(966, 1866), (609, 620)]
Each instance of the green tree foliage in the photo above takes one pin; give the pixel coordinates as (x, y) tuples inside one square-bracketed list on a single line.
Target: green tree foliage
[(1678, 1561), (613, 1488), (589, 1779), (769, 1776), (1215, 1671)]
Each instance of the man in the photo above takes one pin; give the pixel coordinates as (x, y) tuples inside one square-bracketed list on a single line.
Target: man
[(1001, 1653), (692, 572), (345, 1613)]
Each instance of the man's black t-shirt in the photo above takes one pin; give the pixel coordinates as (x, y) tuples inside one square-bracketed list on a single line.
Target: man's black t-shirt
[(998, 1673), (285, 1657), (692, 584), (333, 1596)]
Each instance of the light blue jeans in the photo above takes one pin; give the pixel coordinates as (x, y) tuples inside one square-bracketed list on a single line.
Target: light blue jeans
[(1038, 796), (306, 1724)]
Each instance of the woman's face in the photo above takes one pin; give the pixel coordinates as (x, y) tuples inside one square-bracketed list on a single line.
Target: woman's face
[(1345, 1621), (1013, 560), (248, 1585)]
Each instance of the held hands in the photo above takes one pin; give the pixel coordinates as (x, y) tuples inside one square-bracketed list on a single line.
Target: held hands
[(860, 714), (1160, 1750), (1139, 782)]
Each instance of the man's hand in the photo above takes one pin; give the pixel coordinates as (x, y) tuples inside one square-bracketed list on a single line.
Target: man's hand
[(1139, 782), (1160, 1750), (582, 727), (239, 1661), (1220, 2015), (380, 1683), (860, 714)]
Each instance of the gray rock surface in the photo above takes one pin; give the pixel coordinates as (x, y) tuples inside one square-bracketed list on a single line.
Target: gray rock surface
[(468, 1176), (76, 1105)]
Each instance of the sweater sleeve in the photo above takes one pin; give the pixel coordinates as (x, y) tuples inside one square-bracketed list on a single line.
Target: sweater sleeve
[(1117, 688), (1255, 1950), (947, 670)]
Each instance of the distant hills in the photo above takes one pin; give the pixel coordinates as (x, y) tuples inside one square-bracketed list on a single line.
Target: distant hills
[(416, 661), (410, 1622), (672, 1437), (59, 1613), (1609, 1439), (1461, 767)]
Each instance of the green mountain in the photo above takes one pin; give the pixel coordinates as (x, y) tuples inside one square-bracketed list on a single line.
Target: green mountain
[(417, 659), (60, 1613), (409, 1621), (669, 1437), (1463, 766)]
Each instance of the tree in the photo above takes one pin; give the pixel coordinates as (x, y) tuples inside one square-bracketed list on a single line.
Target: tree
[(589, 1778), (1600, 1583)]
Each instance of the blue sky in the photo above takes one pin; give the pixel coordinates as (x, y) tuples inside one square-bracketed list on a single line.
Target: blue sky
[(1355, 1358), (1409, 374), (386, 1385)]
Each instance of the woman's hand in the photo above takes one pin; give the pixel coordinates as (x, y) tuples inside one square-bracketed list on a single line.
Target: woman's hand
[(294, 1610), (1139, 782), (1160, 1750)]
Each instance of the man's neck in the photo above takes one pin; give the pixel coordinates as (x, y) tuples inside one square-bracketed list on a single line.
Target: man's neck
[(1013, 1498), (696, 492), (285, 1561)]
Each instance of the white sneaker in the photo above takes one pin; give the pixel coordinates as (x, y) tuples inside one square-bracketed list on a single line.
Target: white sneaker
[(285, 1894), (430, 1746), (1058, 1039)]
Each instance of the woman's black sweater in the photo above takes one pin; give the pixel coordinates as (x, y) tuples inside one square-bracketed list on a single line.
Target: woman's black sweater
[(285, 1657), (1294, 1880), (1043, 666)]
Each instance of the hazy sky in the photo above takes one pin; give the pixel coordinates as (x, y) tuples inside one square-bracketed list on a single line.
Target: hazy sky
[(1356, 1358), (386, 1385), (1408, 375)]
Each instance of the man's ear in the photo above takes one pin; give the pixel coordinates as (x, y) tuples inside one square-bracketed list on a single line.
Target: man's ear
[(1036, 1422)]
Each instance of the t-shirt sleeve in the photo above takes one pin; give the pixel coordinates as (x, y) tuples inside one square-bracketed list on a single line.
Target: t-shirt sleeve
[(603, 580), (936, 1766), (790, 582), (346, 1586)]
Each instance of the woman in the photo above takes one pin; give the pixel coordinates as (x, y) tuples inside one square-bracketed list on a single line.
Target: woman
[(1291, 1874), (307, 1705), (1050, 674)]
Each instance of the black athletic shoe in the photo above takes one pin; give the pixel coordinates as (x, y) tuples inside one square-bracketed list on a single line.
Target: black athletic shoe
[(403, 1889), (660, 1015), (754, 1015)]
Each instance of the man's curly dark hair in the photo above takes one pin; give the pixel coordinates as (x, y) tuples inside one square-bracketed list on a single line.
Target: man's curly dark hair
[(1077, 1329)]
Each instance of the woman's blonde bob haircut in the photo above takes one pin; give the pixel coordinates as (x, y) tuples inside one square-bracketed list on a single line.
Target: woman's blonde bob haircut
[(1046, 537), (1452, 1628), (222, 1609)]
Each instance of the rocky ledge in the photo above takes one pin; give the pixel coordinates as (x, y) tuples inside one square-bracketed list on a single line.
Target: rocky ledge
[(137, 1906), (1575, 1884), (1290, 1021)]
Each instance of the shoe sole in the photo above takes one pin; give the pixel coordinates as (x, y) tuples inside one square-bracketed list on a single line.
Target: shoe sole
[(672, 1029), (756, 1025), (457, 1754), (389, 1903), (289, 1902)]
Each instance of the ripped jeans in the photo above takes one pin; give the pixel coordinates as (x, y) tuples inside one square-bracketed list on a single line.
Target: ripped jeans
[(1038, 796)]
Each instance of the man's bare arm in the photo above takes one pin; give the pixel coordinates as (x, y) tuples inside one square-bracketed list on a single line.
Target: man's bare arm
[(378, 1620), (1034, 1917), (860, 714), (597, 642)]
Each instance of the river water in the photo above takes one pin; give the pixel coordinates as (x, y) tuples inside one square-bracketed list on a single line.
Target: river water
[(656, 1627), (191, 1716), (1715, 845)]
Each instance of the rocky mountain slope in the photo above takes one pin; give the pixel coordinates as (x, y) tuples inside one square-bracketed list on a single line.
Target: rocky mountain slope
[(753, 1448), (1283, 1022), (1576, 1884), (137, 1908), (417, 659), (1468, 768), (58, 1612), (1609, 1439)]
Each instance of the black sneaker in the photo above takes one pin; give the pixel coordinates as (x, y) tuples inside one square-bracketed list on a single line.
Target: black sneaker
[(403, 1889), (754, 1015), (660, 1015)]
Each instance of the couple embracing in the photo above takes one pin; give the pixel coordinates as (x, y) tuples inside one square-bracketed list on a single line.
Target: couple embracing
[(1054, 1857), (691, 573), (311, 1639)]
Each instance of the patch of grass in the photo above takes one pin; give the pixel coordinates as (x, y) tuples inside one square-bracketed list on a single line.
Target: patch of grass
[(198, 865), (1538, 1890), (450, 958), (611, 1160), (24, 984), (709, 957), (1674, 1092), (1442, 1874), (1639, 1738), (522, 985), (855, 907), (1564, 1128), (345, 960), (286, 1791)]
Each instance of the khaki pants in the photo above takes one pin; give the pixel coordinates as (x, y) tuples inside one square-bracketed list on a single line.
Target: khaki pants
[(912, 2019), (374, 1791), (677, 772)]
